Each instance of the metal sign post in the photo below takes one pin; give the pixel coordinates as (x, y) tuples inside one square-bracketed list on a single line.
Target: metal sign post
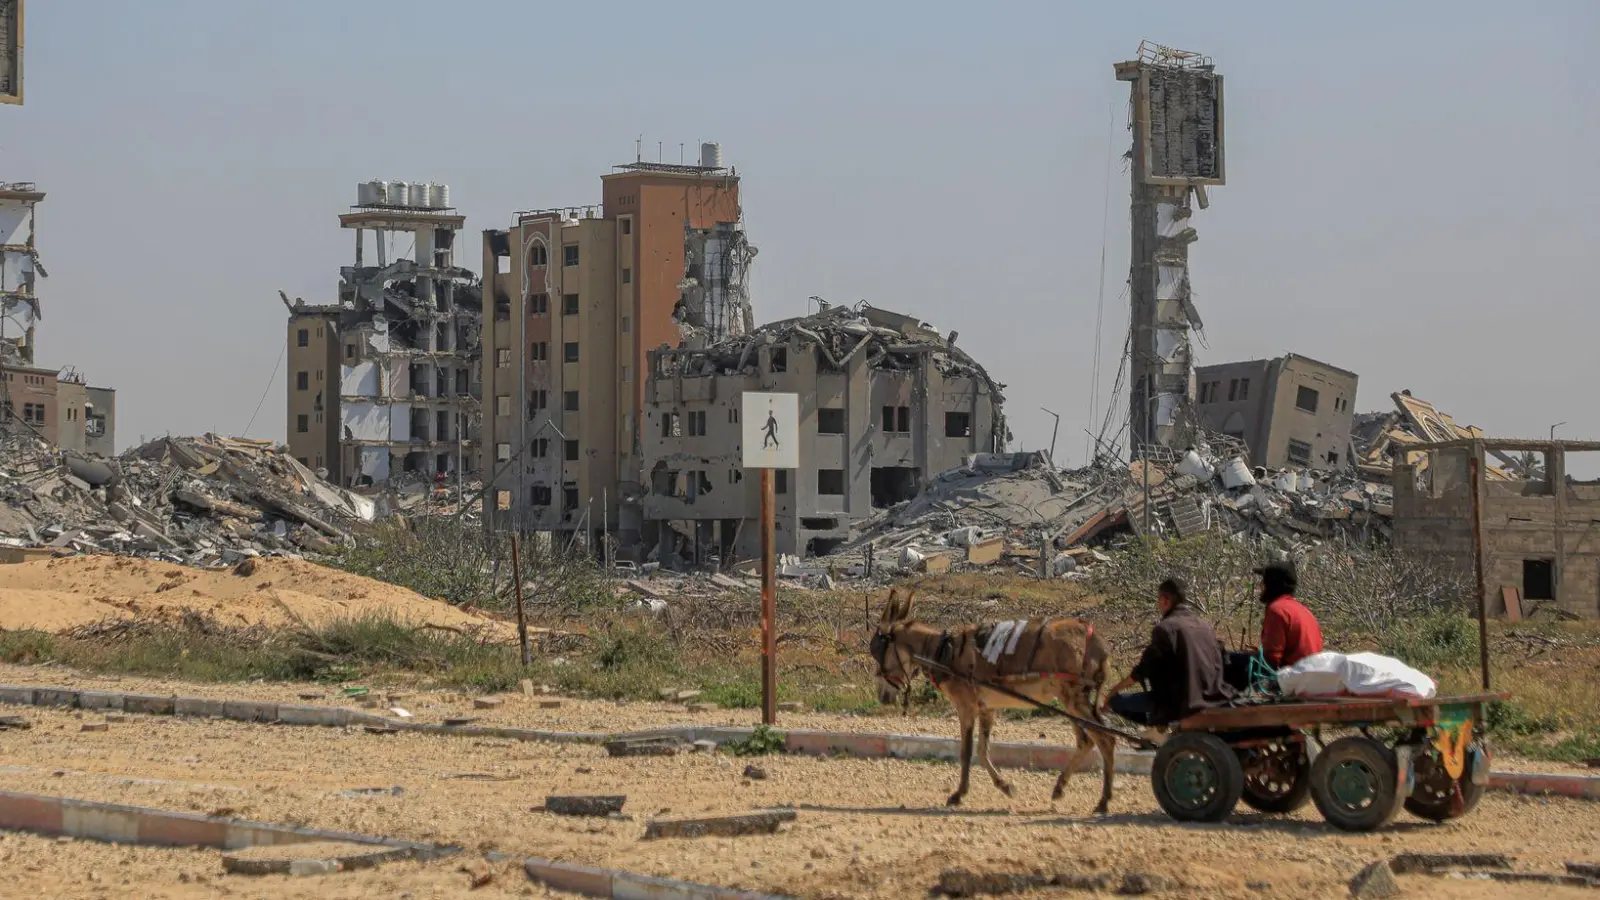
[(770, 425)]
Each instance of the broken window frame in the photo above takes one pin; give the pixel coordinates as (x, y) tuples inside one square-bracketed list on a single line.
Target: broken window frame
[(957, 424), (303, 339), (302, 424), (569, 304), (569, 352), (569, 254), (826, 486), (540, 448), (538, 304), (302, 381), (1301, 393), (570, 401), (540, 495), (569, 451), (831, 420), (697, 423), (1294, 453), (502, 358), (538, 255)]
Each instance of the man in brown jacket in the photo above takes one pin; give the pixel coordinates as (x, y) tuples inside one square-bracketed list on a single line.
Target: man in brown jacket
[(1181, 667)]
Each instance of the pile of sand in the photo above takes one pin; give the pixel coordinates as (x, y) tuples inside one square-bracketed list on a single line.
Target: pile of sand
[(59, 594)]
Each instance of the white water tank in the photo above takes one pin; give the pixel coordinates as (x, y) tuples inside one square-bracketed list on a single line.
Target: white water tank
[(369, 193), (435, 192), (443, 196), (399, 194), (1236, 474), (711, 155)]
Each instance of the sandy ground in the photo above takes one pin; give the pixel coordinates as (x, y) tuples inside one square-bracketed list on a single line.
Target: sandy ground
[(603, 716), (58, 594), (875, 829), (83, 870)]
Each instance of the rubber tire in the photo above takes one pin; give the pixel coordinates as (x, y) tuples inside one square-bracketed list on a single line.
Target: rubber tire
[(1378, 759), (1224, 763), (1281, 804), (1433, 810)]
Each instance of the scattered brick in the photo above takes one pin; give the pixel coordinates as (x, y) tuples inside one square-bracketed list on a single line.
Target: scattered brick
[(486, 702), (765, 822), (549, 704)]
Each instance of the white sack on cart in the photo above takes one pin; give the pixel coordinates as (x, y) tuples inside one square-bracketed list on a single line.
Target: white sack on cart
[(1359, 674)]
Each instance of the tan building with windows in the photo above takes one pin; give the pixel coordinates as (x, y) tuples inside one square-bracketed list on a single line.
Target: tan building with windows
[(1292, 411), (574, 300), (60, 407)]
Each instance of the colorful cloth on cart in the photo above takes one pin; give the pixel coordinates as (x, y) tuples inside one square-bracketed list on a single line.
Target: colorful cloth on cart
[(1355, 674)]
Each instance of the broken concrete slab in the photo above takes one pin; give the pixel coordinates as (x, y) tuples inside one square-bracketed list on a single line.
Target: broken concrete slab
[(487, 703), (16, 723), (1374, 882), (765, 822), (644, 747), (1423, 863), (962, 883), (597, 805)]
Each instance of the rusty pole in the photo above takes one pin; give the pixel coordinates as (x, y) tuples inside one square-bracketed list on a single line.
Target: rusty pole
[(522, 615), (769, 605), (1475, 470)]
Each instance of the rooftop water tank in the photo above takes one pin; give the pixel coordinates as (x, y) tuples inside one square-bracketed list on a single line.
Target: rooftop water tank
[(444, 196), (711, 155), (399, 194), (369, 193)]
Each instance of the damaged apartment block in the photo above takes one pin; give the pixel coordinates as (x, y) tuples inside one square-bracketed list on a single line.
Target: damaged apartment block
[(383, 384), (1176, 120), (885, 403)]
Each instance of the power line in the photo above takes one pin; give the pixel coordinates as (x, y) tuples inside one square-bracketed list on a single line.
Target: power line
[(270, 379), (1100, 302)]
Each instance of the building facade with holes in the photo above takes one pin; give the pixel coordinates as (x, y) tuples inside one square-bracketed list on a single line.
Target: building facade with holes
[(1291, 412)]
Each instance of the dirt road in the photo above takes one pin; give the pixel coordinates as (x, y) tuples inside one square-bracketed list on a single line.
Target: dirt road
[(865, 829)]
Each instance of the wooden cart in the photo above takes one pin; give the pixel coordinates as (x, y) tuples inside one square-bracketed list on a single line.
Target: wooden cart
[(1432, 761)]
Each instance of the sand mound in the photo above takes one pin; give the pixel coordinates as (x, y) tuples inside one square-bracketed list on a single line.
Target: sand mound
[(58, 594)]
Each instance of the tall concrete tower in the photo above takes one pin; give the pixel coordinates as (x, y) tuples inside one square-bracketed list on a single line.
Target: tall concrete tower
[(1176, 120)]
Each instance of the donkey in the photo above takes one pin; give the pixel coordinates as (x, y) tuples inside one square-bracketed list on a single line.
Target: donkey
[(1052, 659)]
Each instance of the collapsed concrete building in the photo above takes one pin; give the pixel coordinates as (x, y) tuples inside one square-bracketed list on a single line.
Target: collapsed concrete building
[(1540, 528), (19, 267), (1176, 120), (1289, 411), (886, 402), (384, 383)]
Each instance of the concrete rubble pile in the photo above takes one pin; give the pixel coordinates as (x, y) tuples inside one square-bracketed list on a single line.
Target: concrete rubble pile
[(1379, 439), (197, 501), (1019, 508)]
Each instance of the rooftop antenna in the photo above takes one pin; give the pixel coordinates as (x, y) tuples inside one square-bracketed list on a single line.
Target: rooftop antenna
[(680, 153), (658, 151), (638, 149)]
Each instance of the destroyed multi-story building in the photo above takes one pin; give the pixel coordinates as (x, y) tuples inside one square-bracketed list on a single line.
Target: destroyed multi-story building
[(384, 383), (19, 266), (1535, 525), (55, 404), (1176, 120), (886, 402), (573, 300), (1292, 411)]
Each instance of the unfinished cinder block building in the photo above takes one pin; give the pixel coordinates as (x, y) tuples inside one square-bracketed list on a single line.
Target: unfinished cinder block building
[(1540, 530), (885, 403)]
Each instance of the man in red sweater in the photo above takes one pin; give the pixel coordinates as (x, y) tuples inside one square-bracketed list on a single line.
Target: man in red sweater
[(1289, 632)]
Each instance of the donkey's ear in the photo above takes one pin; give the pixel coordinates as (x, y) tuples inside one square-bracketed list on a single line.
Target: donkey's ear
[(910, 603), (891, 609)]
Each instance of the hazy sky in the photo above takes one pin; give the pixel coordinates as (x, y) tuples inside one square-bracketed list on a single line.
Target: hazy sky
[(1412, 190)]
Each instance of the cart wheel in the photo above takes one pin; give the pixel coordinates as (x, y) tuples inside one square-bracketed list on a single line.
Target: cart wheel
[(1196, 777), (1434, 797), (1355, 784), (1277, 777)]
